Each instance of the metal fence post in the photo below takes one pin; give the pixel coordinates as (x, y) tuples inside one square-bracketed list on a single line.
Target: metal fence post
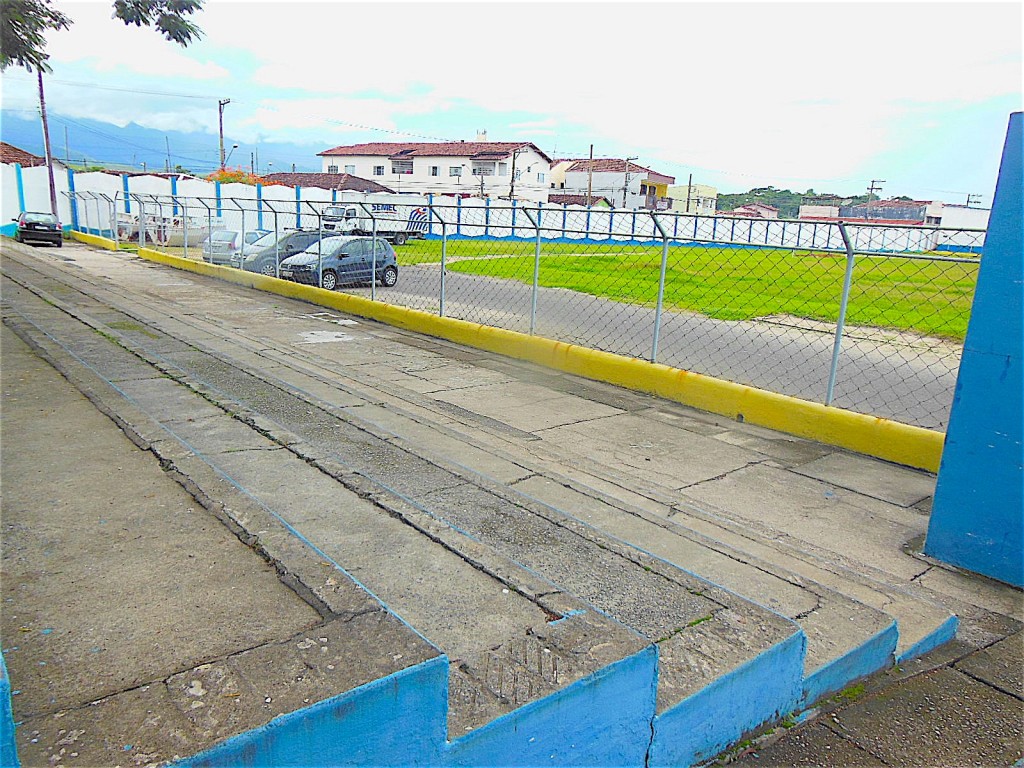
[(841, 321), (444, 249), (142, 222), (536, 269), (373, 255), (661, 287)]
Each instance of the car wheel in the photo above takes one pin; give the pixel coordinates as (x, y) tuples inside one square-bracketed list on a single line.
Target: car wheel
[(329, 281), (59, 243), (400, 238), (389, 277), (17, 237), (268, 270)]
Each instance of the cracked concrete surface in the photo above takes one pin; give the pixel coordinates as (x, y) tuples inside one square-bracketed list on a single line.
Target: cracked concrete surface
[(537, 467)]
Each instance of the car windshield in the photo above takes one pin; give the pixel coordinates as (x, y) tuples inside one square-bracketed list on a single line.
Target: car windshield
[(224, 236), (336, 213), (328, 246), (267, 240), (39, 218), (252, 237)]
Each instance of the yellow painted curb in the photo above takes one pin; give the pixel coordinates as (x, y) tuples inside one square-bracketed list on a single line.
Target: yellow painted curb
[(94, 240), (889, 440)]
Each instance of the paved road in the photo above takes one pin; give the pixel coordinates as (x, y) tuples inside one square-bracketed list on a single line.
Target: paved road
[(909, 380)]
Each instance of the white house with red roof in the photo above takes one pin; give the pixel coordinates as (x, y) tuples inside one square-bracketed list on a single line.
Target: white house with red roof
[(497, 169), (755, 211), (626, 184)]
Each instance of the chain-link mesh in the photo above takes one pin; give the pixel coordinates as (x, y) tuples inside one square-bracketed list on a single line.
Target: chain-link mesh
[(753, 301)]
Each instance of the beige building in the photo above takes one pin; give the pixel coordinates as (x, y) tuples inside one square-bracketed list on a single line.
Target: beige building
[(693, 198)]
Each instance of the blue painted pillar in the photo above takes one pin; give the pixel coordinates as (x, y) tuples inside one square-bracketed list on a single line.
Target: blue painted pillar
[(21, 187), (216, 193), (487, 217), (513, 218), (127, 196), (977, 519), (565, 218), (298, 207), (259, 206), (430, 219), (458, 215), (73, 200), (174, 195)]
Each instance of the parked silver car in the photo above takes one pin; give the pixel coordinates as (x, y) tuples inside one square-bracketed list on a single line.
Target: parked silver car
[(224, 246)]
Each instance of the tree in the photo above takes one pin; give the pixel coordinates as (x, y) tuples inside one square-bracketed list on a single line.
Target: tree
[(23, 26)]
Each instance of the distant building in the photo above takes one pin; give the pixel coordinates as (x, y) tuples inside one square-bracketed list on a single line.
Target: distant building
[(466, 168), (339, 181), (755, 211), (694, 198), (602, 202), (896, 212), (625, 185)]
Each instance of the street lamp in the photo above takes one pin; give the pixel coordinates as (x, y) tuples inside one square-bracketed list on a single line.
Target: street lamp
[(233, 148)]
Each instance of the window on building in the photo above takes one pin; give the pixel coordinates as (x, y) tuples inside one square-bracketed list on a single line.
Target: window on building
[(541, 177), (401, 167), (378, 170), (435, 170), (503, 169), (455, 170), (351, 169), (332, 169), (483, 169)]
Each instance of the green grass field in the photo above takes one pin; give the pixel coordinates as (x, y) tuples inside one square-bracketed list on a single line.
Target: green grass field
[(932, 298)]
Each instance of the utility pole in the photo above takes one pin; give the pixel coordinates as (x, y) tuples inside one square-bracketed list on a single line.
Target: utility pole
[(875, 187), (973, 199), (256, 162), (512, 183), (220, 120), (689, 188), (481, 186), (46, 143), (625, 188), (590, 178), (167, 143)]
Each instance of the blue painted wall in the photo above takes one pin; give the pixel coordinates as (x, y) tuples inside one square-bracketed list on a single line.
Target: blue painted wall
[(762, 690), (398, 720), (977, 520), (602, 720), (8, 750)]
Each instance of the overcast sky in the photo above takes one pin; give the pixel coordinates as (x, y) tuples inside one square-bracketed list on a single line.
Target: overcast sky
[(822, 95)]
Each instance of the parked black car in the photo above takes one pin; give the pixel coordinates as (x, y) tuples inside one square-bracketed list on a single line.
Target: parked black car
[(259, 257), (343, 261), (34, 226)]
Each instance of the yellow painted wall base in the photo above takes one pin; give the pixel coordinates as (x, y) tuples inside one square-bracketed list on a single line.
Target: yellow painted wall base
[(94, 240), (889, 440)]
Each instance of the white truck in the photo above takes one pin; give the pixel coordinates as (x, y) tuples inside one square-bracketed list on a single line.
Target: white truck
[(396, 220)]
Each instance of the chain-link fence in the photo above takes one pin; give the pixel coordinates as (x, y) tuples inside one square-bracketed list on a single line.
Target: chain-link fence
[(865, 317)]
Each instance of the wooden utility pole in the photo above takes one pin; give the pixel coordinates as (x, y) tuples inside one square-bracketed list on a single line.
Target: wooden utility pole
[(689, 188), (46, 144), (625, 188), (220, 121), (875, 187)]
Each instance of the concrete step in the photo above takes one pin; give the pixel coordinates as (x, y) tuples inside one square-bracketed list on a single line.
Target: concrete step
[(856, 623), (490, 580)]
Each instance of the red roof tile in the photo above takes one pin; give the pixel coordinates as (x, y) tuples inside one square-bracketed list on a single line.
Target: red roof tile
[(484, 150), (328, 181), (614, 165), (10, 154)]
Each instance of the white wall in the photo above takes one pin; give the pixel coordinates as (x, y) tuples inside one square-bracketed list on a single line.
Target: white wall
[(469, 217), (532, 170)]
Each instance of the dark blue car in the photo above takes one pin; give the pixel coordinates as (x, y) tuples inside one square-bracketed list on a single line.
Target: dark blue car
[(343, 261)]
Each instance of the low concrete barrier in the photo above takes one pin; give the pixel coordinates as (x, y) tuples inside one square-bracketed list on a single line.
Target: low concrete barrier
[(884, 439)]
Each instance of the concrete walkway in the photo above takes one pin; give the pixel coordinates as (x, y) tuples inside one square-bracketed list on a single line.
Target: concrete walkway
[(500, 509)]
